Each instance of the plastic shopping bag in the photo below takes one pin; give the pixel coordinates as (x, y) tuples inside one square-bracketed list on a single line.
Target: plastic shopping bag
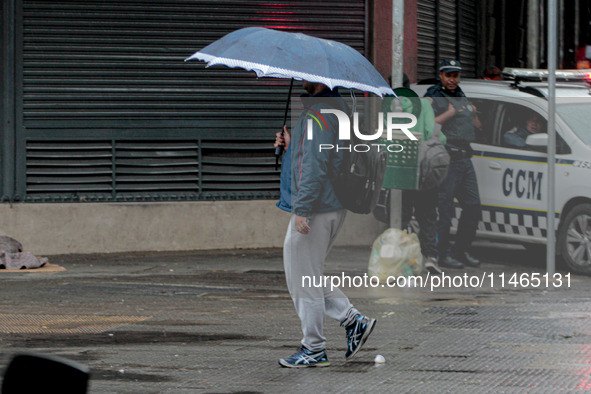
[(395, 253)]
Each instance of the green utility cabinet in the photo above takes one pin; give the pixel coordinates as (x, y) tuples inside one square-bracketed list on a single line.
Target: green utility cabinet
[(402, 169)]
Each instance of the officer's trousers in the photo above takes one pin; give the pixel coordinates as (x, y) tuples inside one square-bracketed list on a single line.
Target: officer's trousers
[(460, 183), (423, 204)]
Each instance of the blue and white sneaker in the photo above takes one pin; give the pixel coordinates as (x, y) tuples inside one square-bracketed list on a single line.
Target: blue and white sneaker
[(357, 334), (304, 358)]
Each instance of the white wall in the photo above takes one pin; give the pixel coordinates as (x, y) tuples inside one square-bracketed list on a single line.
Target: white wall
[(47, 229)]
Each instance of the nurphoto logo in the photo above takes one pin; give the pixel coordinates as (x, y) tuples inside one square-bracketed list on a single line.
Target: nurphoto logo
[(393, 120)]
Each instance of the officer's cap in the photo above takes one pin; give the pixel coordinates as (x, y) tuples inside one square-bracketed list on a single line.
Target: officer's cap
[(450, 65)]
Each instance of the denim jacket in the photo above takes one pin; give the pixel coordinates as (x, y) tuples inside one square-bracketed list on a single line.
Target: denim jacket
[(306, 175)]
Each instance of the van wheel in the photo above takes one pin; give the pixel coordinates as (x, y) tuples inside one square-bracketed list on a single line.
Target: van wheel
[(574, 239)]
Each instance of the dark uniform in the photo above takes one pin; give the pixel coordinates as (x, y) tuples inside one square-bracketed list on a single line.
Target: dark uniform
[(461, 179)]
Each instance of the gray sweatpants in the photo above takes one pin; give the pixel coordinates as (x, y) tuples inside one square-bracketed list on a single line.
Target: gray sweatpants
[(304, 255)]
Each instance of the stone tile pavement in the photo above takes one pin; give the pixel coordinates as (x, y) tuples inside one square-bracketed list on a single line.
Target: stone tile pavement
[(216, 322)]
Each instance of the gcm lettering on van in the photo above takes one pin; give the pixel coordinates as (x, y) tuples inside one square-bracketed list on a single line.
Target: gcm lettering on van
[(524, 184)]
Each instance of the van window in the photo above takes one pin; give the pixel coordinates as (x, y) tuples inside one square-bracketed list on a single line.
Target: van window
[(487, 111), (517, 122)]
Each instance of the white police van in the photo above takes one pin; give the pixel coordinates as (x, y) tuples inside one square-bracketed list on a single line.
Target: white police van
[(513, 181)]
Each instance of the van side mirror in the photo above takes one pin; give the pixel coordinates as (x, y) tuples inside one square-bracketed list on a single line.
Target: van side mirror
[(539, 143), (537, 140), (36, 373)]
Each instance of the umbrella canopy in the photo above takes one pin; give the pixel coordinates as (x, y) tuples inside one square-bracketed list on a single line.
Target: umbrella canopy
[(277, 54)]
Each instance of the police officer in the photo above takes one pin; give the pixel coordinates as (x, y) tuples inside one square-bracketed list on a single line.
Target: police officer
[(459, 122)]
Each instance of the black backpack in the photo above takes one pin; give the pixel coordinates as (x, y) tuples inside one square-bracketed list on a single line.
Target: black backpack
[(359, 182)]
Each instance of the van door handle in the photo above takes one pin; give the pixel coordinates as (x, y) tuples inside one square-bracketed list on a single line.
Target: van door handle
[(494, 165)]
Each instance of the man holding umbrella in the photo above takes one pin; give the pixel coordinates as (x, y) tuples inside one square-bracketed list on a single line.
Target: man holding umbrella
[(317, 217), (306, 190)]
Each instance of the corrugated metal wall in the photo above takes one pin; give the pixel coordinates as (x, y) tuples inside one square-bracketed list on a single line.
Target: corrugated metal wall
[(108, 109), (448, 22), (468, 37), (427, 38), (447, 29), (3, 59)]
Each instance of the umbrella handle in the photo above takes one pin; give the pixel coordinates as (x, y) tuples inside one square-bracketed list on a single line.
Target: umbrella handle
[(280, 148), (277, 156)]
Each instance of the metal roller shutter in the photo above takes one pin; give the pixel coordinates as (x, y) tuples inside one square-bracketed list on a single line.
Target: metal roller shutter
[(447, 29), (427, 37), (110, 110), (468, 38)]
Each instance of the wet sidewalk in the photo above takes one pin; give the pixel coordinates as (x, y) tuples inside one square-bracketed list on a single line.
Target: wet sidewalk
[(216, 322)]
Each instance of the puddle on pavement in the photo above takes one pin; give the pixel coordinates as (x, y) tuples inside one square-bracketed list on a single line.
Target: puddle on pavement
[(238, 392), (356, 366), (443, 370), (127, 376), (272, 279), (177, 323), (122, 338)]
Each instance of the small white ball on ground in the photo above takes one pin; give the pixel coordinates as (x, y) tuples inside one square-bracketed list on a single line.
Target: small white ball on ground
[(379, 359)]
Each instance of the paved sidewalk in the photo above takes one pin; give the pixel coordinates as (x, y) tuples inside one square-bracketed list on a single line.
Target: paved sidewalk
[(216, 322)]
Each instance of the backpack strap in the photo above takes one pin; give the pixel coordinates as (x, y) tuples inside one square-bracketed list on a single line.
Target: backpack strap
[(437, 130)]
